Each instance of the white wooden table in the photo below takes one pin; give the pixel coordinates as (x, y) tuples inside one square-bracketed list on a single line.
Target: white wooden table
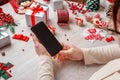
[(26, 62)]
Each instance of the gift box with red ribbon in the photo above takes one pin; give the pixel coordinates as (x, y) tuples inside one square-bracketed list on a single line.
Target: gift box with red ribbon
[(79, 1), (36, 13), (4, 39)]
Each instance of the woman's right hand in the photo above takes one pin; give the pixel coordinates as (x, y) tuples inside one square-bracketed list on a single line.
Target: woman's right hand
[(69, 52)]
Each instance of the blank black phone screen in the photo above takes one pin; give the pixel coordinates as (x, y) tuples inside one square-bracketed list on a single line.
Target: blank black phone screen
[(46, 38)]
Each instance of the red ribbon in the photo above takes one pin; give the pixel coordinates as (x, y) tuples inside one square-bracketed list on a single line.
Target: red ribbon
[(35, 10)]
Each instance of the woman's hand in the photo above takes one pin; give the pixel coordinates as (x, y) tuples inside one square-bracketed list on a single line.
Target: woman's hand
[(69, 52), (40, 49)]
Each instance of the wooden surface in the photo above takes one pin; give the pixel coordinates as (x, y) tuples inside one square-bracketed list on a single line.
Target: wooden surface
[(26, 62)]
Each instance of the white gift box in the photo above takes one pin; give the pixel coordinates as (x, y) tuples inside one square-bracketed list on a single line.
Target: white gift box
[(57, 4), (42, 15), (4, 39)]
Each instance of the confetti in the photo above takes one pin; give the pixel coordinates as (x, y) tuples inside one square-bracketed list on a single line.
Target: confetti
[(3, 53), (23, 50), (65, 35), (30, 34), (67, 39), (22, 30)]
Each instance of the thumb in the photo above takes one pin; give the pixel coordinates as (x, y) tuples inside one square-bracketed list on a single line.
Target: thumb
[(64, 52)]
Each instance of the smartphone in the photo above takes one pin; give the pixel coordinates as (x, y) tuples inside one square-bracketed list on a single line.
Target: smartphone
[(46, 38)]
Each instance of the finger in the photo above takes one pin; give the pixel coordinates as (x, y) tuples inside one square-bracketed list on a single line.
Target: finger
[(54, 57), (35, 40), (64, 52), (34, 36), (60, 58), (65, 46)]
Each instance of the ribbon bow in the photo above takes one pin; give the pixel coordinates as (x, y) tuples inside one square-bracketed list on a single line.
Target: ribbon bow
[(35, 10), (3, 70), (79, 19)]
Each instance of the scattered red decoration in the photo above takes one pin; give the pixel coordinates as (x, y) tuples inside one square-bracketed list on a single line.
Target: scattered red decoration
[(20, 37), (52, 29), (93, 35), (92, 30), (77, 8), (103, 24), (97, 16), (88, 18), (109, 39), (7, 20)]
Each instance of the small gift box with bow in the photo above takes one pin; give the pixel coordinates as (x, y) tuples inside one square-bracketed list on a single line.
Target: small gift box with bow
[(4, 39), (79, 21), (37, 12)]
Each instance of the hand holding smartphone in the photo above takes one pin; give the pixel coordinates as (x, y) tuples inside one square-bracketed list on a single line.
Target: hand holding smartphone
[(46, 38)]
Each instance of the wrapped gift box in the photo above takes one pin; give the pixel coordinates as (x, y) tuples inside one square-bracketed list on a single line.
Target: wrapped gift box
[(57, 4), (36, 13), (108, 9), (4, 39), (79, 1)]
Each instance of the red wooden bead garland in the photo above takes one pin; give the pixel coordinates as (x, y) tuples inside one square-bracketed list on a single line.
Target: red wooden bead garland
[(20, 37)]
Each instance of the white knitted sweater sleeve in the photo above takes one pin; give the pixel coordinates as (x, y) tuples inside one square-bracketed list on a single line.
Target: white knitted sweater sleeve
[(45, 68), (101, 55)]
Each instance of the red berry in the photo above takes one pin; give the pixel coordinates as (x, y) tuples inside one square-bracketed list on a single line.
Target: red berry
[(107, 39)]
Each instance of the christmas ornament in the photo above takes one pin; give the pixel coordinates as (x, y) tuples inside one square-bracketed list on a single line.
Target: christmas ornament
[(93, 5)]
